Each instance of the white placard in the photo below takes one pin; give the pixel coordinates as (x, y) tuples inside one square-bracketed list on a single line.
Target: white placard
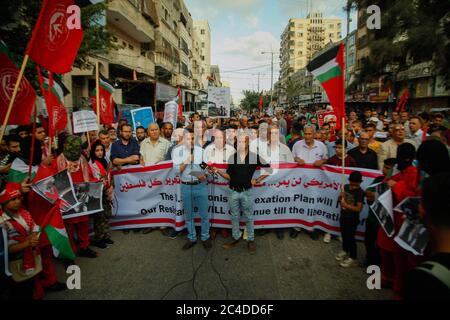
[(84, 121), (219, 102)]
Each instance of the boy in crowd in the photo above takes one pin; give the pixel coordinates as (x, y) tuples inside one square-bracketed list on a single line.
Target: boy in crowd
[(351, 200)]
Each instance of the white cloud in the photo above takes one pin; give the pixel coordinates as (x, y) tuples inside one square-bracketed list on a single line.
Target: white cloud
[(202, 9)]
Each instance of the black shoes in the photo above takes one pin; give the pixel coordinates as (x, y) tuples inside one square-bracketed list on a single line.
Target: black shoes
[(108, 241), (294, 233), (100, 244), (188, 245), (87, 253)]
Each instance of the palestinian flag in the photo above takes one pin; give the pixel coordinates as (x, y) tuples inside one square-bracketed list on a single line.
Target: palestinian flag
[(57, 234), (55, 90), (328, 68), (106, 101), (19, 171), (53, 45), (26, 96)]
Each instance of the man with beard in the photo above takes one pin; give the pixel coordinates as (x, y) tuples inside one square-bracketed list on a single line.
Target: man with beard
[(13, 150), (125, 151), (167, 130), (140, 134)]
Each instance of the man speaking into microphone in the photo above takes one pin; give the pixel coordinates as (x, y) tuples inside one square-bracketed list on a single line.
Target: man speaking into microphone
[(187, 159)]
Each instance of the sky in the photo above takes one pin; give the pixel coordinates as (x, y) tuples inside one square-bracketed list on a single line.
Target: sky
[(242, 29)]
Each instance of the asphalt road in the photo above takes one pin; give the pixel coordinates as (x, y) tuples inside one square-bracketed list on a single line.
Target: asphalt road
[(141, 266)]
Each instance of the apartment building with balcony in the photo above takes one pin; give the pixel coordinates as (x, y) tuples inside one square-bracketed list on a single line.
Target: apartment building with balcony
[(203, 32)]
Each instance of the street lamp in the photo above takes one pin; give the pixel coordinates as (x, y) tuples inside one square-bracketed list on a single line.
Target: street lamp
[(271, 77)]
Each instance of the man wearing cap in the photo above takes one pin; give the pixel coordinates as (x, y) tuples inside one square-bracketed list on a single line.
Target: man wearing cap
[(77, 166)]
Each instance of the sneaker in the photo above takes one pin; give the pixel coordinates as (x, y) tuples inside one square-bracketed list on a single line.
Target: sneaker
[(280, 234), (251, 247), (87, 253), (173, 234), (108, 241), (213, 233), (313, 235), (188, 245), (349, 262), (294, 233), (207, 244), (341, 256), (231, 244), (100, 244), (327, 238)]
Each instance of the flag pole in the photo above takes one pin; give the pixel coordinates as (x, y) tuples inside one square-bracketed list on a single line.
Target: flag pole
[(97, 85), (33, 139), (343, 154), (13, 98)]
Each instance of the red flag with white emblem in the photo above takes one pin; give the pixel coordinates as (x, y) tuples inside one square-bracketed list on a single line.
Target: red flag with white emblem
[(54, 45), (106, 101)]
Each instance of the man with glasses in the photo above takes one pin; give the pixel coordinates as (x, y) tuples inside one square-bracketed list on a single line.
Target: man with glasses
[(389, 148)]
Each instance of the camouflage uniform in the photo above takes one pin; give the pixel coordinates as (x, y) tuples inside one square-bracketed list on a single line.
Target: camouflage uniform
[(101, 221)]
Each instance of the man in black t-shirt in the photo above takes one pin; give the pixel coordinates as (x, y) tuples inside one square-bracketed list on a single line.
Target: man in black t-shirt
[(431, 280), (241, 167)]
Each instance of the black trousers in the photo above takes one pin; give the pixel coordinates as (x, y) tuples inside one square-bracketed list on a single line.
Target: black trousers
[(370, 242), (349, 222)]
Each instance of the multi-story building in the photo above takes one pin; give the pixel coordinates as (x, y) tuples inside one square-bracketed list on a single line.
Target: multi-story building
[(300, 40), (203, 31), (132, 24)]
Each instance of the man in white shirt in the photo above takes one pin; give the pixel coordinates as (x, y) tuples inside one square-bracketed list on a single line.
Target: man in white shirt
[(310, 151), (276, 152), (154, 148), (218, 151), (416, 133)]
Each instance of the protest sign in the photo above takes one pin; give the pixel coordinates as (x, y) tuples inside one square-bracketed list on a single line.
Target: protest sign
[(84, 121), (219, 102), (382, 208), (89, 196), (413, 236), (293, 196), (142, 117), (58, 186), (171, 112)]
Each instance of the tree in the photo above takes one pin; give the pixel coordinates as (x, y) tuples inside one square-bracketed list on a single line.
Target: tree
[(251, 100), (292, 91), (411, 32), (19, 18)]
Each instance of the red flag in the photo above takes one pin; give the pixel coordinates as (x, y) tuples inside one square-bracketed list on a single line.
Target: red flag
[(106, 101), (26, 96), (260, 102), (54, 92), (402, 102), (53, 45), (180, 103)]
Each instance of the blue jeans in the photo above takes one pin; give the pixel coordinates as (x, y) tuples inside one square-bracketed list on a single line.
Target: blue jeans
[(196, 197), (242, 201)]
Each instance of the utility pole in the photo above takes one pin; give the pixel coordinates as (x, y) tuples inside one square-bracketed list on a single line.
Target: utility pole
[(259, 73), (346, 75), (271, 75)]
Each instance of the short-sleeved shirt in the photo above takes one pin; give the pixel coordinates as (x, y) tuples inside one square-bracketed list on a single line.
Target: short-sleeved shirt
[(241, 172), (154, 153), (317, 152), (368, 160), (352, 197), (121, 151)]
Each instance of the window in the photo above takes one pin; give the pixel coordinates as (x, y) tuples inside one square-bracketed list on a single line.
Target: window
[(203, 44), (130, 47), (202, 31), (331, 35), (338, 34), (331, 26)]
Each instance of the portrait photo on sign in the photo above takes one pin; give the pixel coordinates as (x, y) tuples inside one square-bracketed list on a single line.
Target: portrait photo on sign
[(410, 207), (384, 217), (89, 196), (58, 186), (413, 237)]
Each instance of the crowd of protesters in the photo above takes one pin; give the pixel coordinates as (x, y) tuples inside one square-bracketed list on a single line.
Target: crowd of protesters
[(412, 151)]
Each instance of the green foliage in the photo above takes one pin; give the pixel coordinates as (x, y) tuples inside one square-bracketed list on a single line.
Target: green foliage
[(411, 32), (251, 100)]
